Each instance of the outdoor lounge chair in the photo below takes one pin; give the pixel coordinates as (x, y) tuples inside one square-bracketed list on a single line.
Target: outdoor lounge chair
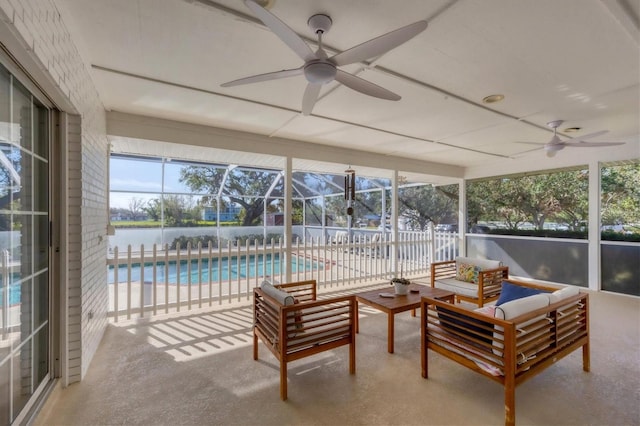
[(512, 342), (293, 324)]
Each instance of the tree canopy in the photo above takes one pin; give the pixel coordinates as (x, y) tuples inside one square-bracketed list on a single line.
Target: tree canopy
[(246, 188), (511, 202), (561, 196)]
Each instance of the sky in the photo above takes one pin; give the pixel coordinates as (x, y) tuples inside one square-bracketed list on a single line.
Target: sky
[(142, 177)]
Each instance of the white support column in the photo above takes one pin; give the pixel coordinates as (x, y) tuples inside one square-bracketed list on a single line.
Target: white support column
[(288, 207), (462, 217), (594, 226), (264, 218), (324, 220), (394, 221)]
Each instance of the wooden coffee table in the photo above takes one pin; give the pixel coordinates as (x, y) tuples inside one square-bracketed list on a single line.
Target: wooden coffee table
[(392, 306)]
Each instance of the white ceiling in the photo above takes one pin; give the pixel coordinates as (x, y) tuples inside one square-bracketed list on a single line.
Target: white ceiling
[(576, 60)]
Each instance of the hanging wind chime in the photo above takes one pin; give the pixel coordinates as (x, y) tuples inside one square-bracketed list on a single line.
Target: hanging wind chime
[(350, 189)]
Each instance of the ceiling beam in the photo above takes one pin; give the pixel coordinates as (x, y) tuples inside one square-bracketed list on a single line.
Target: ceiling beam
[(158, 129)]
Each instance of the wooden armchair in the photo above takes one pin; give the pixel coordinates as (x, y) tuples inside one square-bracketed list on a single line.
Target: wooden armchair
[(293, 324), (484, 282), (521, 339)]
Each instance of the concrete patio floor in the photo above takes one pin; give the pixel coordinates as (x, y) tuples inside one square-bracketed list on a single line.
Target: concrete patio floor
[(196, 368)]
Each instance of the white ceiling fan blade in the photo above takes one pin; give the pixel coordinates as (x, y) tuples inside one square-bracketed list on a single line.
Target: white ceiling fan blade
[(531, 143), (588, 136), (379, 45), (364, 86), (310, 97), (265, 77), (592, 144), (521, 153), (279, 28)]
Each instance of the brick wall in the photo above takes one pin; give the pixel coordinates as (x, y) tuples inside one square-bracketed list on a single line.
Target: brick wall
[(38, 26)]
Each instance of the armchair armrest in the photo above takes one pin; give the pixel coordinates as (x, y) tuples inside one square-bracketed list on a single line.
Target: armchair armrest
[(441, 270), (490, 284)]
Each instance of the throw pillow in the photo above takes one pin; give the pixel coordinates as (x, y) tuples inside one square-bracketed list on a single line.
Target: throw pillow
[(467, 272), (511, 292), (282, 297)]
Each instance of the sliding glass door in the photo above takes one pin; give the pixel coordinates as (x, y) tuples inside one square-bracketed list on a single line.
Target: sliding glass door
[(24, 247)]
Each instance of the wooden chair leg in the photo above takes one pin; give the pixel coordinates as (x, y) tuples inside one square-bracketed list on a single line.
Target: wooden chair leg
[(510, 403), (424, 354), (352, 357), (425, 364), (283, 380), (255, 345), (586, 357)]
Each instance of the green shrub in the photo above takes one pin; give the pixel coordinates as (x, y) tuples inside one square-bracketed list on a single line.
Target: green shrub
[(204, 239), (619, 236), (580, 235)]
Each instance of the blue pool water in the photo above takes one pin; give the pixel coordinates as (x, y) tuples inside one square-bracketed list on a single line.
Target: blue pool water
[(14, 294), (260, 265)]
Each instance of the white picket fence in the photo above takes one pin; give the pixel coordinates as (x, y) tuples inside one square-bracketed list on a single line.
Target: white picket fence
[(193, 277)]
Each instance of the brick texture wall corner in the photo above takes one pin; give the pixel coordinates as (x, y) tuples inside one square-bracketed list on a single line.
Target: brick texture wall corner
[(40, 26)]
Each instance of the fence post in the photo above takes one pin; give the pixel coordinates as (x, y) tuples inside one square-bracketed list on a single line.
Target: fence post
[(431, 238), (116, 267)]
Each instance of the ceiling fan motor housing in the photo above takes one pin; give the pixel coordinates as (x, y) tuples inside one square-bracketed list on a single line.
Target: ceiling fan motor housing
[(319, 72)]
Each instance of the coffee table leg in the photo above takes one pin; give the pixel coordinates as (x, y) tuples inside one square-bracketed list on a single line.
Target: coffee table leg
[(390, 332)]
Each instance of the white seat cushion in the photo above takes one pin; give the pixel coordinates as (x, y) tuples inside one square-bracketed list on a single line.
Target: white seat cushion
[(482, 263), (514, 309), (563, 293), (518, 307), (457, 286)]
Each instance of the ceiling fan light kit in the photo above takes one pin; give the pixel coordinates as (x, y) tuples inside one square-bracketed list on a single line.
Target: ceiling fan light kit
[(319, 72), (320, 69)]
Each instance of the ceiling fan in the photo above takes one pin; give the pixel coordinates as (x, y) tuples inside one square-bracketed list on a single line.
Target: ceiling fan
[(320, 69), (556, 144)]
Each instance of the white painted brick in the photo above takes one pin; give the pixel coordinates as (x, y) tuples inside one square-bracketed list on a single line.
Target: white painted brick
[(17, 7), (6, 11), (23, 30)]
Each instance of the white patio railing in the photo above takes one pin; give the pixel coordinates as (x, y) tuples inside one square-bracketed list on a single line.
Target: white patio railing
[(147, 281)]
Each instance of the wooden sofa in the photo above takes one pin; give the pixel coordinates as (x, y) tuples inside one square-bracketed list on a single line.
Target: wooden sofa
[(481, 288), (293, 324), (523, 338)]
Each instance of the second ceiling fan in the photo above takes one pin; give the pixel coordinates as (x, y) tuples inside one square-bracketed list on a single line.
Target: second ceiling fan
[(318, 67), (556, 144)]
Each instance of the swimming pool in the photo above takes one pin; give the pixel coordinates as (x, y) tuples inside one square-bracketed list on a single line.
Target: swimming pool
[(14, 294), (221, 269)]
